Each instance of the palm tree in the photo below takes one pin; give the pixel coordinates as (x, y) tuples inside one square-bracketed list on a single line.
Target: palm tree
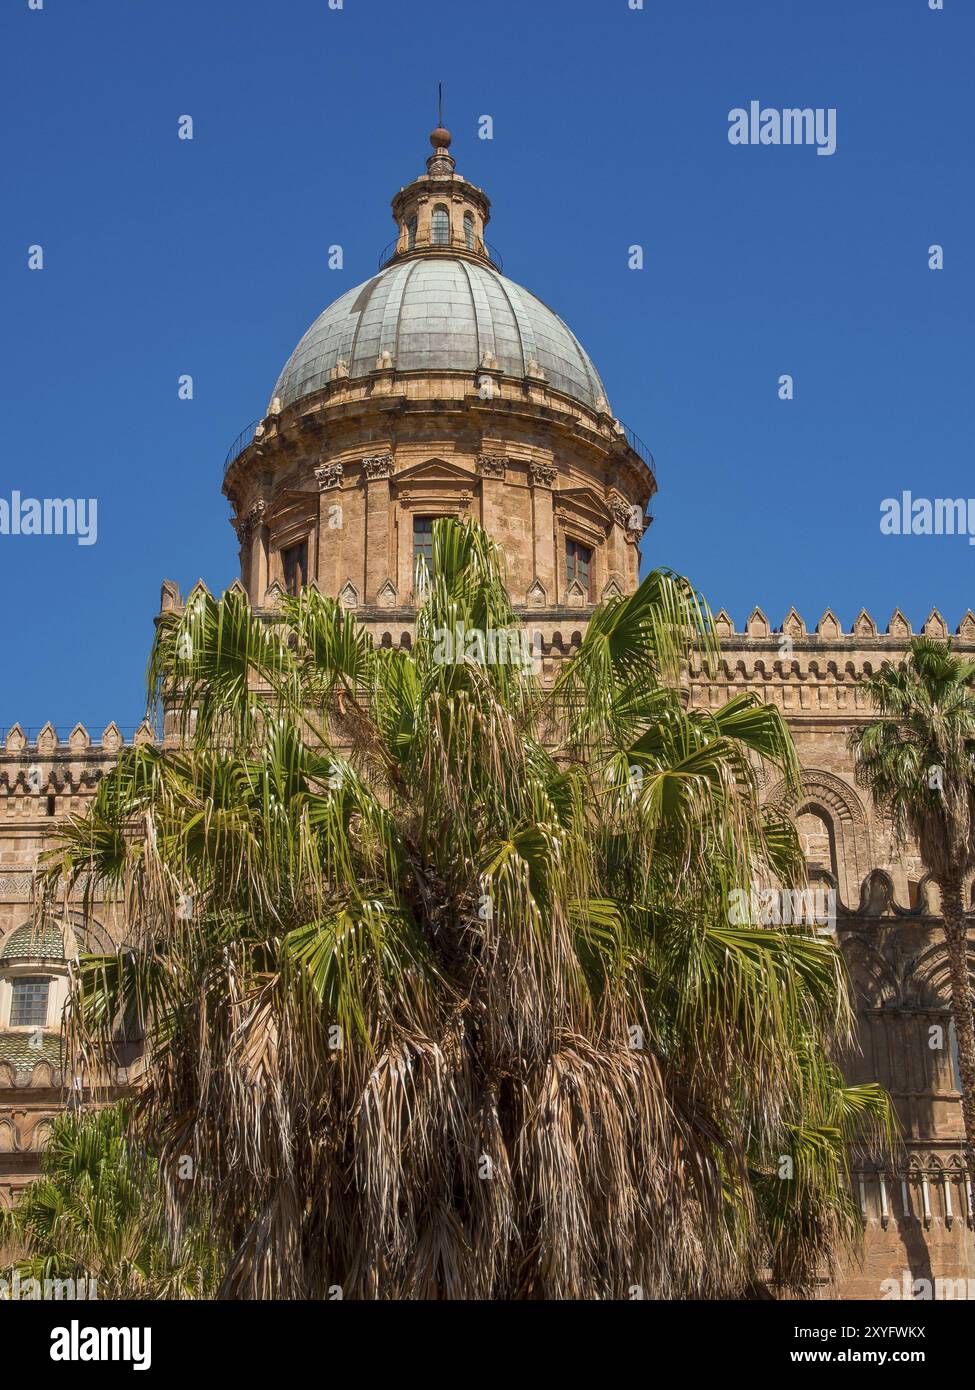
[(435, 962), (918, 759), (97, 1214)]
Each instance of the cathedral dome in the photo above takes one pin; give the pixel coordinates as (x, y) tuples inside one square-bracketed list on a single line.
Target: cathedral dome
[(30, 942), (440, 312)]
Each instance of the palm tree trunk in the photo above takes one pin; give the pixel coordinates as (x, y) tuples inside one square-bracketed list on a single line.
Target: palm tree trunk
[(956, 936)]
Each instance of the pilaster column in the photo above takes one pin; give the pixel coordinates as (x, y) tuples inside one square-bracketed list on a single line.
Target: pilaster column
[(331, 525), (542, 478), (377, 469), (252, 534), (491, 469)]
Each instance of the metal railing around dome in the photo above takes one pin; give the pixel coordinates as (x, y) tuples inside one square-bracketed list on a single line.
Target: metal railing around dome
[(638, 447), (241, 443), (480, 248)]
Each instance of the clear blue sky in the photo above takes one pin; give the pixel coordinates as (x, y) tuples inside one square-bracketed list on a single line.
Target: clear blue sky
[(165, 257)]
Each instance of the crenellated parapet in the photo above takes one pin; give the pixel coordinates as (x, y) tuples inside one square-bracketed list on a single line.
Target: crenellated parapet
[(830, 629), (43, 775), (813, 673)]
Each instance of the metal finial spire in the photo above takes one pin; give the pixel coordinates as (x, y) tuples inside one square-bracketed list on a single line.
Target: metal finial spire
[(439, 104)]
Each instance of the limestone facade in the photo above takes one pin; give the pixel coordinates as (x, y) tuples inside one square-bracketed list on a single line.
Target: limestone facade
[(919, 1213), (43, 781), (493, 411)]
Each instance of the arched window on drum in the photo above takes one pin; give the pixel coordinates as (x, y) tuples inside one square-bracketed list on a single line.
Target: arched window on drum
[(440, 226)]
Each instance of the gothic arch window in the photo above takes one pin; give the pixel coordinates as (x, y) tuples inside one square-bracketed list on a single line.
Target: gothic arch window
[(440, 225), (841, 811), (817, 837), (469, 231)]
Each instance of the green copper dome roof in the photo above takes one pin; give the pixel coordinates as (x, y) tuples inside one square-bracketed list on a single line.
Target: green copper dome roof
[(30, 942), (436, 313)]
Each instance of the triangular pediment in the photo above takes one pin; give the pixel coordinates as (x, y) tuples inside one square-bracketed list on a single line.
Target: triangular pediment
[(585, 499), (434, 471), (576, 595), (292, 501)]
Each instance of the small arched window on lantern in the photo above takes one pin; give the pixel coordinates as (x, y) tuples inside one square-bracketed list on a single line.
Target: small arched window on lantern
[(440, 225), (469, 231), (411, 234)]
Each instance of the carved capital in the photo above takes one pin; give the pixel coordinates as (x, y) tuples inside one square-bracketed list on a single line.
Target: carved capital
[(246, 525), (628, 515), (542, 474), (378, 466), (329, 475), (492, 465)]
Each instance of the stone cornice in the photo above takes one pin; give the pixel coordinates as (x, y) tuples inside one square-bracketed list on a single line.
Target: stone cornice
[(348, 401)]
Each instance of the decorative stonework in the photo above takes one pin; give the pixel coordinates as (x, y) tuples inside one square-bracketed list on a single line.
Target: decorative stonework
[(542, 474), (935, 626), (898, 625), (758, 625), (793, 625), (492, 465), (829, 626), (576, 596), (629, 516), (254, 517), (864, 625), (378, 466), (328, 475)]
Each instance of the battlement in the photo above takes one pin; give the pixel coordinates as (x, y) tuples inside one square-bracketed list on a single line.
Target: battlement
[(829, 629), (19, 746)]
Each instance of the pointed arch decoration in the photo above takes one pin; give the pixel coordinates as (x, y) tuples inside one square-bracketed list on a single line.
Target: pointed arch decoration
[(840, 808)]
